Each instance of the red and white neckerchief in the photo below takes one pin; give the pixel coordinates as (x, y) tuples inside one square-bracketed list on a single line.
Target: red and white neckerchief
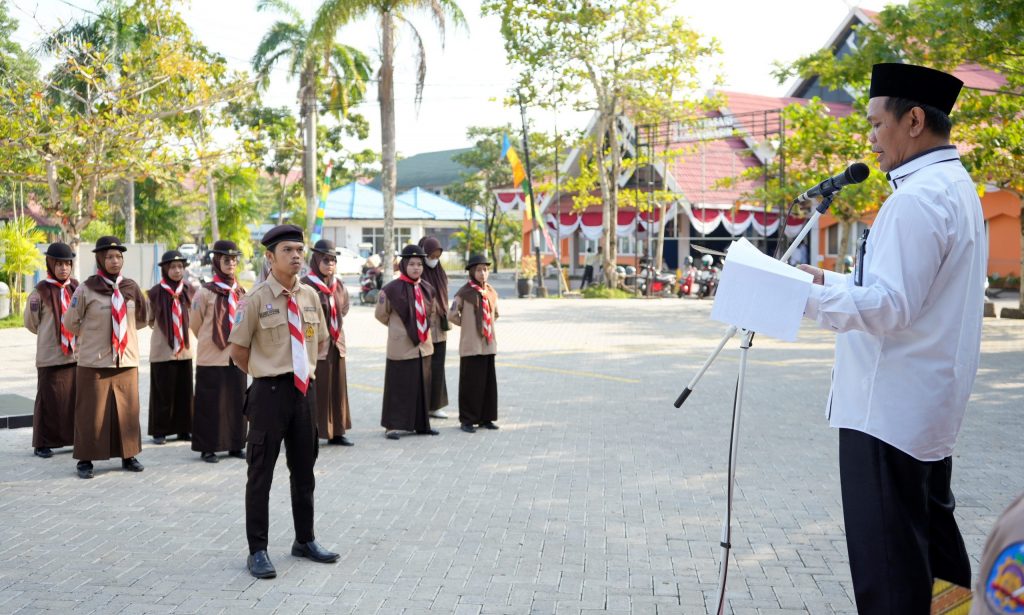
[(67, 339), (332, 323), (300, 360), (232, 299), (179, 338), (485, 311), (421, 308), (118, 316)]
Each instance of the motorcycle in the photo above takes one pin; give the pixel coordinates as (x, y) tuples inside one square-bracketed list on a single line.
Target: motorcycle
[(370, 282), (686, 287), (654, 282), (707, 282)]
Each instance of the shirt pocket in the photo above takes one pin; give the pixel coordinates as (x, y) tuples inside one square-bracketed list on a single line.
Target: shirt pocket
[(310, 325), (274, 328)]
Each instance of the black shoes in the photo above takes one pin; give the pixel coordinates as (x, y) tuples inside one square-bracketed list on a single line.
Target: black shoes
[(209, 457), (341, 441), (236, 454), (488, 425), (132, 465), (313, 551), (84, 469), (184, 437), (44, 451), (392, 435), (466, 427), (260, 567), (159, 439), (428, 432)]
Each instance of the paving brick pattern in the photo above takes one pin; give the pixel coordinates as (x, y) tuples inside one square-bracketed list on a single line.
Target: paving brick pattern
[(596, 496)]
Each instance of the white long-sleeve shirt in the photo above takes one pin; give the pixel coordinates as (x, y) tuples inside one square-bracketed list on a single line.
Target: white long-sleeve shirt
[(910, 336)]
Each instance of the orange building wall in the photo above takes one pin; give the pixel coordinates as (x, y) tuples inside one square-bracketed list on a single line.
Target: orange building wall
[(1002, 212)]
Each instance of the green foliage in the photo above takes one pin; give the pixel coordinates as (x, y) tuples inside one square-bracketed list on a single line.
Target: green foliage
[(19, 255), (469, 238), (600, 291), (16, 65), (241, 201), (159, 209), (98, 228)]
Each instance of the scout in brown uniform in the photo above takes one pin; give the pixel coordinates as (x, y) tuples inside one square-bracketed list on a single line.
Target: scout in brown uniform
[(105, 312), (435, 275), (218, 423), (405, 306), (53, 422), (475, 309), (999, 587), (332, 416), (170, 351), (278, 334)]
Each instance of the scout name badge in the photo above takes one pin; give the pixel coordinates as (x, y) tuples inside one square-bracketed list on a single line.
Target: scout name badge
[(950, 599)]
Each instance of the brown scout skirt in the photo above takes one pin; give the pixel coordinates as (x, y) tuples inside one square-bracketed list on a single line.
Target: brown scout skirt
[(53, 422), (218, 424), (107, 413), (438, 383), (406, 392), (170, 398), (478, 390), (332, 417)]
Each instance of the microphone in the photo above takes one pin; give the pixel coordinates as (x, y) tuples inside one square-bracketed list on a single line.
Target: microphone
[(854, 174)]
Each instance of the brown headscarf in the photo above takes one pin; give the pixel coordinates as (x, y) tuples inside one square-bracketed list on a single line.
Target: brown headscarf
[(340, 294), (471, 295), (436, 276), (162, 302), (221, 313), (51, 293), (128, 288), (402, 297)]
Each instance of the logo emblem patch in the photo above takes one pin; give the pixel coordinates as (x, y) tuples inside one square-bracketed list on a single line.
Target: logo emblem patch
[(1004, 588)]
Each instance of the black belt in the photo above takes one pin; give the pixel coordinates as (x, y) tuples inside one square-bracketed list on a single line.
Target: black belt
[(288, 376)]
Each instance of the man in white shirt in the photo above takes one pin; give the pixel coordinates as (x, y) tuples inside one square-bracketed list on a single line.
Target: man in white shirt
[(909, 324)]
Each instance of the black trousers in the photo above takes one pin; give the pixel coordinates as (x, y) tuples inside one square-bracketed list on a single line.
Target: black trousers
[(278, 413), (900, 530), (588, 276), (478, 390)]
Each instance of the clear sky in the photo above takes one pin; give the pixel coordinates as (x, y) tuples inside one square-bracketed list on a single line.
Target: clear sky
[(469, 77)]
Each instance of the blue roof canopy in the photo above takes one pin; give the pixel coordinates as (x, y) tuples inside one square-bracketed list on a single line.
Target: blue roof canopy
[(357, 201)]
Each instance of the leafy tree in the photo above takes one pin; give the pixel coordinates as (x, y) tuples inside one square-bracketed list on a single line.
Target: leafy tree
[(241, 200), (159, 209), (322, 66), (946, 34), (390, 14), (16, 65), (613, 57), (19, 255)]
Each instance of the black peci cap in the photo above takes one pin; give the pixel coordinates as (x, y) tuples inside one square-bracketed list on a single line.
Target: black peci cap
[(109, 242), (917, 83), (282, 232), (59, 251)]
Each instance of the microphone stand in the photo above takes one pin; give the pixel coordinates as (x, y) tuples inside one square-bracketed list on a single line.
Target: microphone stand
[(737, 405)]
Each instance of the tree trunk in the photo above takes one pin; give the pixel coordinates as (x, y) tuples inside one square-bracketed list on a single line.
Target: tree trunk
[(129, 209), (309, 154), (211, 199), (389, 179), (608, 232), (660, 250)]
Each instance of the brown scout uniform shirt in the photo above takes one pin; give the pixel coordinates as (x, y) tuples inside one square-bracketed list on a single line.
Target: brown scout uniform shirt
[(400, 347), (471, 343), (39, 320), (200, 320), (160, 349), (88, 317), (998, 577), (261, 325)]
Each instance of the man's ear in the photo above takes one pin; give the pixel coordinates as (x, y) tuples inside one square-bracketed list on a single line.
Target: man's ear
[(917, 125)]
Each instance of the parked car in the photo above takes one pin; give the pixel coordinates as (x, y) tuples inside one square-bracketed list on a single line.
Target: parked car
[(189, 250), (349, 262)]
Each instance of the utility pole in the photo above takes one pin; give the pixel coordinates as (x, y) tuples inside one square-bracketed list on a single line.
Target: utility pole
[(535, 232)]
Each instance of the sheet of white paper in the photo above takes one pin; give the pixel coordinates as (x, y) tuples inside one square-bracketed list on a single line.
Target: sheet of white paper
[(758, 293)]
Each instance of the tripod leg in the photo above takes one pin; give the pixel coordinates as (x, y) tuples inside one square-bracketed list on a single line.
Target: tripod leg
[(731, 331)]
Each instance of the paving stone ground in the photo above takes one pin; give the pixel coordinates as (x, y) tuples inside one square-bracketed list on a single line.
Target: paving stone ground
[(595, 496)]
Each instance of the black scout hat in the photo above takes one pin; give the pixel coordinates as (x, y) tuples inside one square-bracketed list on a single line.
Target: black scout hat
[(109, 242), (172, 256), (282, 232), (917, 83), (226, 247), (59, 251), (410, 251), (477, 259), (325, 246)]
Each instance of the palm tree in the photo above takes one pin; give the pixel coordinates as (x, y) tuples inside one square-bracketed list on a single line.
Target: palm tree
[(322, 67), (390, 14)]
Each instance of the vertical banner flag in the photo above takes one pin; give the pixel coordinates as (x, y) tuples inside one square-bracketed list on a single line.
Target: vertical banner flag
[(321, 210), (518, 172)]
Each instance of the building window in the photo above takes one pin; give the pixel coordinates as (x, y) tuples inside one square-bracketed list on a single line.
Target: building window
[(832, 240), (375, 236), (627, 245)]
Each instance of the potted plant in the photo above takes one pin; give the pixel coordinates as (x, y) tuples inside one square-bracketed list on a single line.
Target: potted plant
[(524, 276)]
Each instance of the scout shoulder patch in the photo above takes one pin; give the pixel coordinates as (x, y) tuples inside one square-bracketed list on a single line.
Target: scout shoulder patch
[(1004, 586), (309, 332), (33, 304), (239, 315)]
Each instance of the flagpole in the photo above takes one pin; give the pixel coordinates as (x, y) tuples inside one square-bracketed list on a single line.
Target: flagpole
[(535, 232)]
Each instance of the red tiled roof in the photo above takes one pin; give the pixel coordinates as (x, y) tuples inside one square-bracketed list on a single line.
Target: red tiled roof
[(740, 102), (979, 77)]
